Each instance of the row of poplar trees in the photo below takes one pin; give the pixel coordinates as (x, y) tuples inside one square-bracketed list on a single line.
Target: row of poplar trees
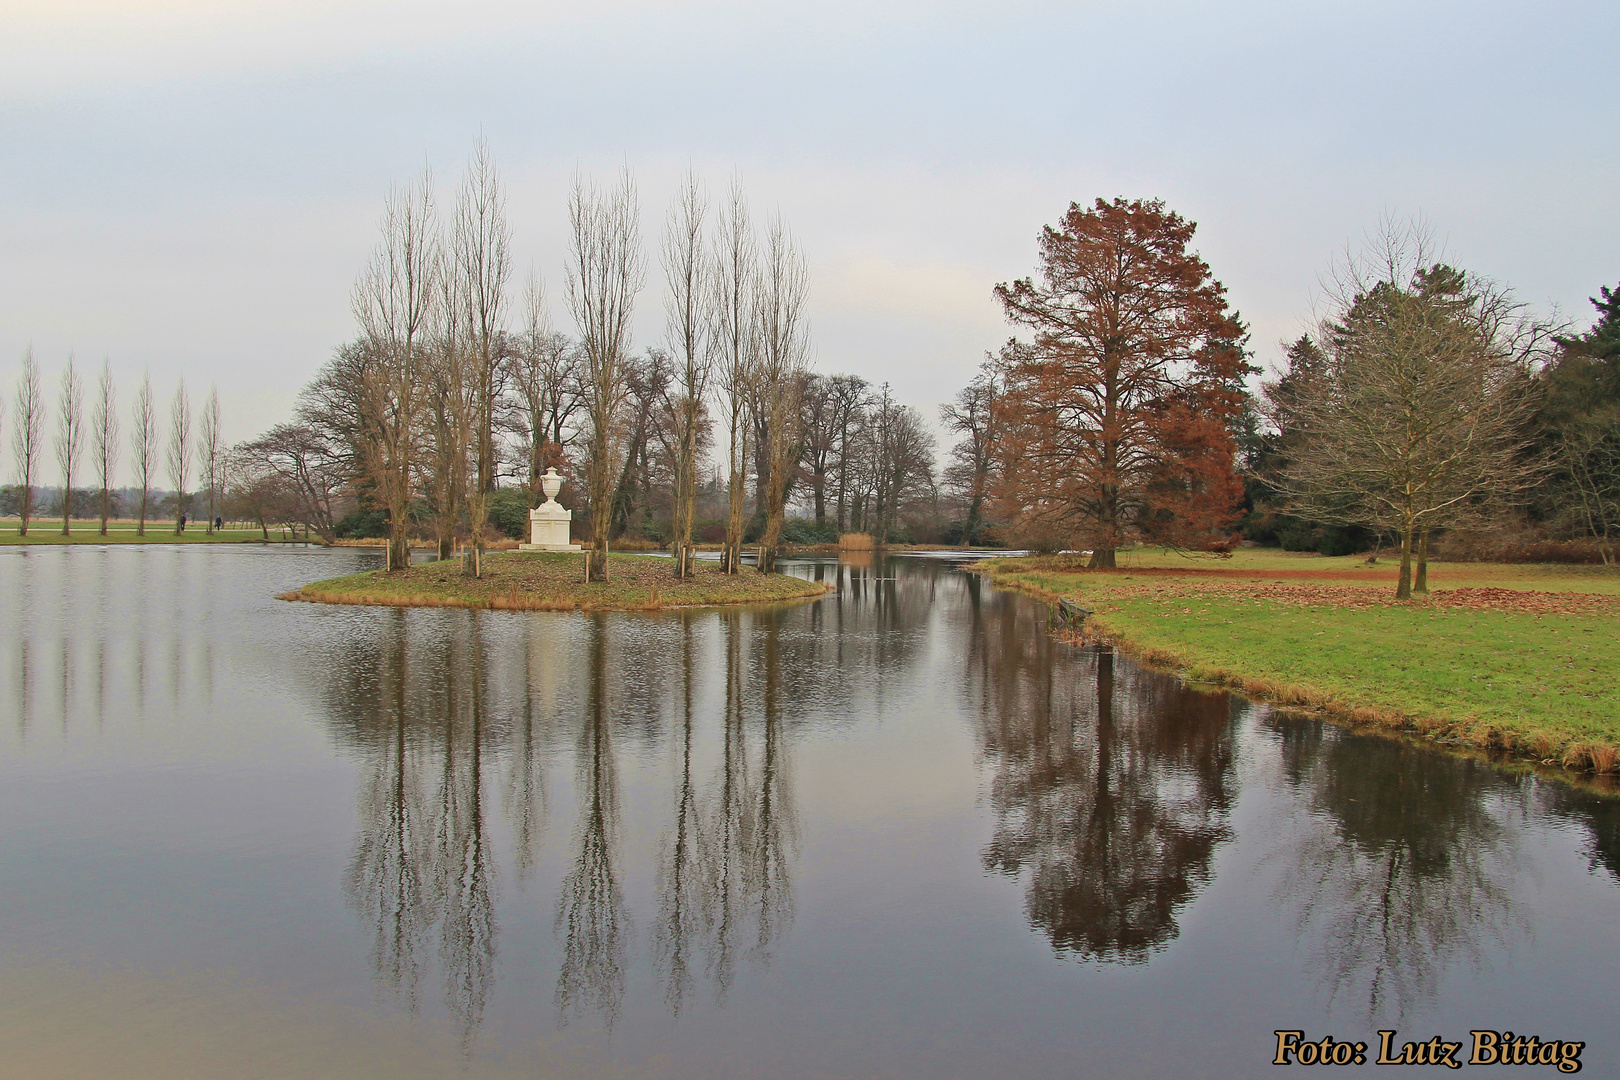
[(76, 436)]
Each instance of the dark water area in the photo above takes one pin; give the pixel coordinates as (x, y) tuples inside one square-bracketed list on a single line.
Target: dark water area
[(899, 831)]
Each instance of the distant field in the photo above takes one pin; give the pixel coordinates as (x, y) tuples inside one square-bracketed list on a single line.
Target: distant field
[(49, 531), (1521, 656)]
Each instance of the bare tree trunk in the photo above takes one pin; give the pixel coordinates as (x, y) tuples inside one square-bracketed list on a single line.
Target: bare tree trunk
[(394, 301), (69, 436), (479, 241), (26, 439), (1421, 585), (690, 344), (208, 453), (144, 442), (605, 272), (106, 434), (179, 452), (783, 346), (734, 285), (1403, 588)]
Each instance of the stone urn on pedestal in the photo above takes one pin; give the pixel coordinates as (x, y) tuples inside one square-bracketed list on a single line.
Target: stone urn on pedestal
[(549, 522)]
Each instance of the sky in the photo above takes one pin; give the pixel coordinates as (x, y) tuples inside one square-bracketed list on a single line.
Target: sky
[(189, 188)]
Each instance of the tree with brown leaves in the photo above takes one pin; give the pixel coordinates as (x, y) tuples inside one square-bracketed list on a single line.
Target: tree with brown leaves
[(1118, 413)]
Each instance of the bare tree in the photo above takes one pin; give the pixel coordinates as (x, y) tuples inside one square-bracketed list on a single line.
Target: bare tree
[(293, 473), (973, 416), (687, 332), (448, 411), (605, 272), (69, 435), (784, 344), (478, 241), (733, 284), (143, 442), (210, 454), (105, 424), (26, 438), (1420, 412), (547, 379), (393, 302), (180, 452)]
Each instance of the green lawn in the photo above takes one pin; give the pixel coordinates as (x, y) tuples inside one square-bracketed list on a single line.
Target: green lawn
[(555, 581), (49, 531), (1509, 655)]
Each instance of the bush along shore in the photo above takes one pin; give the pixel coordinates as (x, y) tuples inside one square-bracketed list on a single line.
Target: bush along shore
[(534, 581), (1504, 657)]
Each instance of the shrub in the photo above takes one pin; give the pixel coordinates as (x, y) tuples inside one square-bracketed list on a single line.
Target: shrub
[(509, 512), (362, 525)]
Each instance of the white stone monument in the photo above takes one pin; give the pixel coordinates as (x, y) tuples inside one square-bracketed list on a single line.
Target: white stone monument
[(548, 522)]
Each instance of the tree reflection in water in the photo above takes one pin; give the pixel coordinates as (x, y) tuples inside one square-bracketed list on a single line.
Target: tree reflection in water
[(423, 699), (421, 859), (680, 884), (591, 916), (1404, 870), (1111, 789)]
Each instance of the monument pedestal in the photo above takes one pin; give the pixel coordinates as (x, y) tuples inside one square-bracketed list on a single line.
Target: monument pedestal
[(549, 522)]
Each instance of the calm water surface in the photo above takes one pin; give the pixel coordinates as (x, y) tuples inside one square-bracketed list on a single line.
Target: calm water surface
[(896, 832)]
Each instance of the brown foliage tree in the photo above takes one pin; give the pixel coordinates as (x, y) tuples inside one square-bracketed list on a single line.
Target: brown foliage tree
[(1119, 411)]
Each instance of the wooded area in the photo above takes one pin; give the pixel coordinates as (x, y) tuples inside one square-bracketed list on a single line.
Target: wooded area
[(1427, 410)]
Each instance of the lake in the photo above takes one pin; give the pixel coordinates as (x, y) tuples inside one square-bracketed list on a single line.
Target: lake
[(898, 831)]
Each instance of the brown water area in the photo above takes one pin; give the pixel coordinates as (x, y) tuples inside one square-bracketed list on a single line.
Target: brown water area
[(898, 831)]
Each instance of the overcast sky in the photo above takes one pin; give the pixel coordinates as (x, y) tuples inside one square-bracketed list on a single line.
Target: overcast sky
[(191, 187)]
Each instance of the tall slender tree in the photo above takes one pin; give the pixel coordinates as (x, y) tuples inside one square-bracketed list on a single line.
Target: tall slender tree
[(733, 284), (143, 444), (26, 439), (180, 452), (210, 454), (605, 272), (687, 333), (784, 345), (105, 425), (973, 416), (393, 301), (1120, 408), (69, 435), (479, 240)]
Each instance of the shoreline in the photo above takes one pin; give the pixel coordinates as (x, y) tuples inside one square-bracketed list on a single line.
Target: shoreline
[(1526, 740), (537, 581)]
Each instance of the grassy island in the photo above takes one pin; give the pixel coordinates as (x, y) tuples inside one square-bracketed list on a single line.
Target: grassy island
[(536, 581), (1516, 657)]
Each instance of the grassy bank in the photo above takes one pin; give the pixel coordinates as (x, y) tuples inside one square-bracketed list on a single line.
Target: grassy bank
[(533, 581), (46, 531), (1518, 657)]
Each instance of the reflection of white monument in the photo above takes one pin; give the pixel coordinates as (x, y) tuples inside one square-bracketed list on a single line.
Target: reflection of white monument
[(548, 522)]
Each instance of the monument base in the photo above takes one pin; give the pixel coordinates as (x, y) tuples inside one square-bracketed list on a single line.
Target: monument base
[(549, 527)]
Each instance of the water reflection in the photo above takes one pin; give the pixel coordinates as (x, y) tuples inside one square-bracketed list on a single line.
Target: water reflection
[(1405, 869), (1111, 789), (422, 865), (597, 819), (424, 702), (591, 914)]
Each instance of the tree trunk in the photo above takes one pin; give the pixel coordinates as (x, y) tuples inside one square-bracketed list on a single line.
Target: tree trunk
[(1421, 585), (1403, 590), (1107, 541)]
